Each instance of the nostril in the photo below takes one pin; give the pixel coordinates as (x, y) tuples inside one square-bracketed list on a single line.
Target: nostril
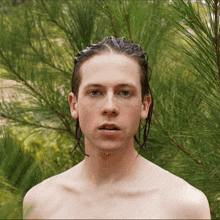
[(109, 112)]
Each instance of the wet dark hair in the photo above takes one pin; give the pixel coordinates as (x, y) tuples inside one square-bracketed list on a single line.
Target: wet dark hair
[(120, 46)]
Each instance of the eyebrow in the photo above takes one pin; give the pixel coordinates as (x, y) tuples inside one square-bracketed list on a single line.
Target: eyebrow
[(118, 85)]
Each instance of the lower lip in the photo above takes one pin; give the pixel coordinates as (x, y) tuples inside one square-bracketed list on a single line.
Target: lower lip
[(110, 132)]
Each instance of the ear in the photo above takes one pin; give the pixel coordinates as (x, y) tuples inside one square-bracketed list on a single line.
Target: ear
[(145, 107), (73, 105)]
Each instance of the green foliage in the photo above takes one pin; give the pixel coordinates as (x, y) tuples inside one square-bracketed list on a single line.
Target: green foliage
[(38, 42), (24, 175), (18, 173)]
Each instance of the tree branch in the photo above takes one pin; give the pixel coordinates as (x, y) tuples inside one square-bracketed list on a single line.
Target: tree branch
[(43, 59), (53, 20), (216, 38), (32, 124), (62, 117), (128, 25), (176, 143), (182, 149), (112, 21)]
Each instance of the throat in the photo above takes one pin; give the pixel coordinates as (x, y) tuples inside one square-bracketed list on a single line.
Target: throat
[(109, 168)]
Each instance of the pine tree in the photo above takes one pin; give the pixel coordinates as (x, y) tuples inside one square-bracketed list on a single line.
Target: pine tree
[(38, 43)]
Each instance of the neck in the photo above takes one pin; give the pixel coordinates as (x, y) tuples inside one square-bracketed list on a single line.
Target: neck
[(109, 168)]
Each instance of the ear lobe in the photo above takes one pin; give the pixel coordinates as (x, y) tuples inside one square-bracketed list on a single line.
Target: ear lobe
[(73, 105), (145, 107)]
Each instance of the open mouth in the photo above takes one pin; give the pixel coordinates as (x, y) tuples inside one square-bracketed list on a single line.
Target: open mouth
[(109, 128)]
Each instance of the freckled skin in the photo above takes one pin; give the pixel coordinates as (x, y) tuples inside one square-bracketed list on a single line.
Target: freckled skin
[(114, 181)]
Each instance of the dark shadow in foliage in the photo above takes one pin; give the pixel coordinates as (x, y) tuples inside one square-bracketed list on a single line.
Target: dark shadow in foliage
[(19, 168)]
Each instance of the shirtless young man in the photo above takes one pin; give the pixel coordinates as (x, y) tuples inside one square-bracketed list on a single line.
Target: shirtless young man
[(110, 90)]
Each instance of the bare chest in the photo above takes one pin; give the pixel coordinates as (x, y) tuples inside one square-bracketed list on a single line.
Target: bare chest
[(117, 205)]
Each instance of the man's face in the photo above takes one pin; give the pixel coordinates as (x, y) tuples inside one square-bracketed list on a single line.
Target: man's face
[(109, 93)]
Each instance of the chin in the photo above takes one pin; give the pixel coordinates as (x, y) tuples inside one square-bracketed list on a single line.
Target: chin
[(110, 148)]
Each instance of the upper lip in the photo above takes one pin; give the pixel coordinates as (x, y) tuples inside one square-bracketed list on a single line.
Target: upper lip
[(109, 125)]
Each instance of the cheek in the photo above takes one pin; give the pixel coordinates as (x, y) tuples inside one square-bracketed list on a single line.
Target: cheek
[(86, 117), (134, 107), (132, 115)]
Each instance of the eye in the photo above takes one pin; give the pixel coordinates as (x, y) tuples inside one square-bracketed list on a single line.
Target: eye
[(126, 93), (95, 92)]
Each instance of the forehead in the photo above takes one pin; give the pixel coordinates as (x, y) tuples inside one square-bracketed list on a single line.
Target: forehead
[(110, 69)]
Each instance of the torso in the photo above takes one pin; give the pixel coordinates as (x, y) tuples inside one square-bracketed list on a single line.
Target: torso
[(150, 196)]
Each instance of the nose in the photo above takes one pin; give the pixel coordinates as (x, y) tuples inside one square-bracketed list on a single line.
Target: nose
[(110, 105)]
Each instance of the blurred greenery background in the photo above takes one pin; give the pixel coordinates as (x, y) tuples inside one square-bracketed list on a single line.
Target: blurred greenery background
[(38, 42)]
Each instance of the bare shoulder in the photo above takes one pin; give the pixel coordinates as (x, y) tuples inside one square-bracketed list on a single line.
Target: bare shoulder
[(188, 202), (194, 203), (42, 199), (182, 199), (36, 197)]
